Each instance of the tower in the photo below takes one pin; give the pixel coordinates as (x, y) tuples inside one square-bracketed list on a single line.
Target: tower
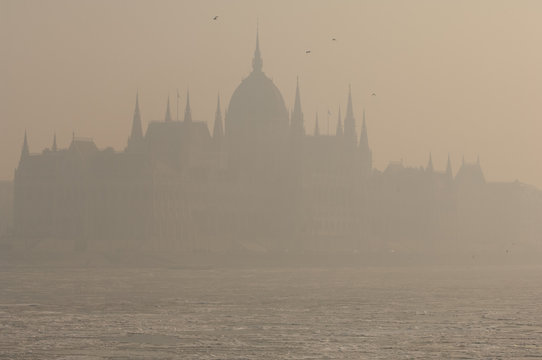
[(54, 147), (24, 150), (257, 62), (297, 127), (218, 132), (449, 173), (350, 122), (136, 138), (339, 131), (365, 151), (168, 111), (429, 167), (316, 128), (187, 111)]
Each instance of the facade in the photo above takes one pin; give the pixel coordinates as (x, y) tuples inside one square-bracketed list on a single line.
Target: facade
[(258, 183)]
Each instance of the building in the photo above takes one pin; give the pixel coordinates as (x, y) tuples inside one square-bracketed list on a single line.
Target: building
[(258, 183)]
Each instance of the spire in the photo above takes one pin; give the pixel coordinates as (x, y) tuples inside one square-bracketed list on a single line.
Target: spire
[(54, 148), (218, 132), (350, 121), (168, 112), (257, 61), (316, 129), (297, 105), (137, 132), (339, 131), (363, 137), (187, 112), (349, 110), (429, 167), (449, 167), (297, 115), (366, 155), (24, 151)]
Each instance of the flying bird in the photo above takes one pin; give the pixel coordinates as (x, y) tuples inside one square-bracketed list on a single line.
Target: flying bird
[(307, 51), (333, 39), (215, 18), (373, 94)]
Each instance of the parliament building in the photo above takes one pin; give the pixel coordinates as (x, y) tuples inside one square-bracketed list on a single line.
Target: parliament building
[(259, 182)]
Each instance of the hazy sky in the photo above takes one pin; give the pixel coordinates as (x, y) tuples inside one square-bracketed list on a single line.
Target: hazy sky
[(457, 77)]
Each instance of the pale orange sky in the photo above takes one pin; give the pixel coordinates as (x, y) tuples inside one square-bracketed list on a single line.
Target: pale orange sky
[(459, 77)]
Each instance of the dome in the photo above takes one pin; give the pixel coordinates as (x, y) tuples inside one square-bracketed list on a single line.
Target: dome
[(257, 99), (256, 108)]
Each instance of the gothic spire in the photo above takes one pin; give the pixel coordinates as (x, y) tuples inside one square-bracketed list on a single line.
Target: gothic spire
[(449, 167), (54, 147), (168, 111), (350, 121), (316, 128), (429, 167), (24, 150), (257, 61), (339, 131), (218, 131), (297, 104), (297, 114), (349, 110), (137, 132), (363, 137), (187, 112)]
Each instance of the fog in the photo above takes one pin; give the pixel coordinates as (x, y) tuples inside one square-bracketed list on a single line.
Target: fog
[(458, 78), (271, 180)]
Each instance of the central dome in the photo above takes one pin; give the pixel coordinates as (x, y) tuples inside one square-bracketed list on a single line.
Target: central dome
[(256, 108), (257, 99)]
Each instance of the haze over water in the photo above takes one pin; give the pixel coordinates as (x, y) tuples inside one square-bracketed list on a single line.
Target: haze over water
[(253, 233)]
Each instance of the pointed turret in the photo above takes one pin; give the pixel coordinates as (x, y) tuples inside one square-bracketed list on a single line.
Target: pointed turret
[(137, 132), (349, 109), (449, 168), (350, 121), (429, 167), (187, 111), (218, 132), (135, 141), (316, 128), (24, 150), (339, 131), (257, 62), (363, 136), (297, 126), (366, 155), (168, 111), (54, 147)]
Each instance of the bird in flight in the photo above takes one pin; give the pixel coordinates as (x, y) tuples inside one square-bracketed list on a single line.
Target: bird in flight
[(307, 51), (215, 17), (373, 94), (333, 39)]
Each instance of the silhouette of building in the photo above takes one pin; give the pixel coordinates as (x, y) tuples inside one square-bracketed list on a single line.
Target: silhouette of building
[(258, 183)]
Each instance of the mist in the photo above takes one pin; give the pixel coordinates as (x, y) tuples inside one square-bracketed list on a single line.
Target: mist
[(274, 180), (459, 78)]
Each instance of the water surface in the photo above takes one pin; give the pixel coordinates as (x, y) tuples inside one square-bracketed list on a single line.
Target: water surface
[(362, 313)]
